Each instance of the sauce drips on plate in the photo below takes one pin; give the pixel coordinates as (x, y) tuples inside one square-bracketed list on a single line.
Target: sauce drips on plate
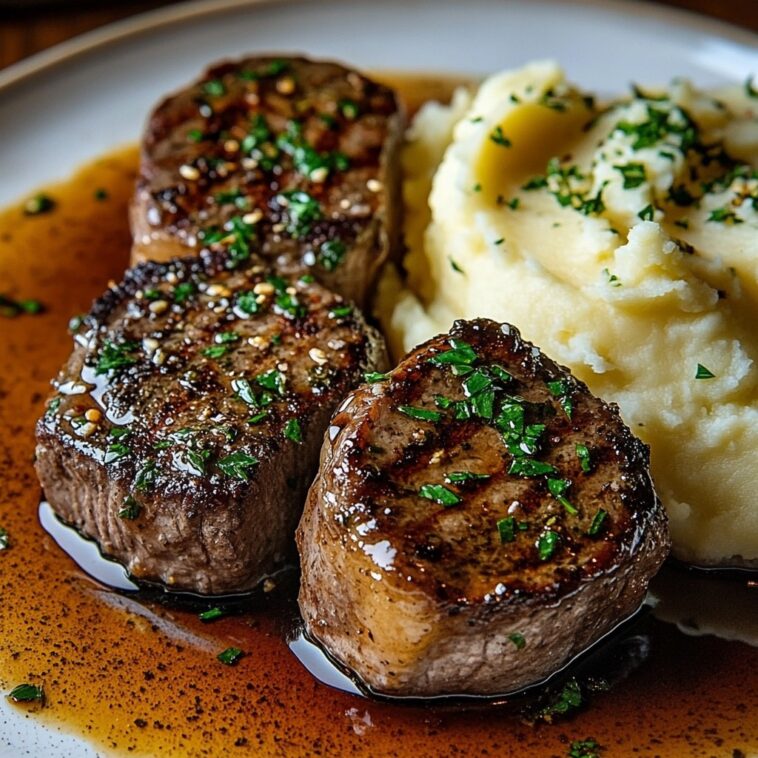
[(137, 675)]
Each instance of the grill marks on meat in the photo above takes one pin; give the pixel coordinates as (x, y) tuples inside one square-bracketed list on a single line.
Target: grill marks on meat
[(479, 518), (291, 158), (186, 424)]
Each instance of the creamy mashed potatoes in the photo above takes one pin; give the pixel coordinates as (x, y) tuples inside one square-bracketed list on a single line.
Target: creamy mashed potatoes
[(622, 238)]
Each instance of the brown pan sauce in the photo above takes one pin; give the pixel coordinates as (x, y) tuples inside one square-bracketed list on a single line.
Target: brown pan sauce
[(133, 675)]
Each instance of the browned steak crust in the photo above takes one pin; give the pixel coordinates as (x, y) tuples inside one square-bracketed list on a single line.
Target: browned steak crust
[(186, 424), (478, 519), (292, 158)]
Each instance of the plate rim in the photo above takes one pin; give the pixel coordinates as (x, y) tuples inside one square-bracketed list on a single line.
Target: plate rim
[(153, 20)]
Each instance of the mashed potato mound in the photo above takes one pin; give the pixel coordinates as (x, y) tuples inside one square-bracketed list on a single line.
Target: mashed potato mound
[(622, 239)]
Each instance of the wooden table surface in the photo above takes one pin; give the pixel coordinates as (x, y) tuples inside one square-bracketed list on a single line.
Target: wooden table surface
[(25, 30)]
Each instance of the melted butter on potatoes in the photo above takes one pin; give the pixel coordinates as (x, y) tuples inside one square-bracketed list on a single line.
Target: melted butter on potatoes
[(622, 238)]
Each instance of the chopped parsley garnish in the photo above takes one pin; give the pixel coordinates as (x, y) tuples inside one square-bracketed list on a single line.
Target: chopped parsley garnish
[(583, 453), (657, 127), (214, 88), (439, 494), (215, 351), (292, 430), (528, 467), (183, 291), (237, 234), (374, 376), (194, 135), (257, 418), (238, 465), (517, 639), (598, 522), (258, 135), (724, 216), (460, 357), (39, 204), (588, 748), (146, 477), (130, 509), (750, 90), (547, 544), (348, 108), (455, 266), (331, 254), (561, 389), (114, 357), (247, 302), (513, 204), (302, 211), (613, 280), (211, 614), (233, 197), (521, 440), (506, 528), (703, 373), (26, 693), (499, 138), (478, 386), (193, 460), (116, 451), (289, 305), (244, 391), (537, 182), (423, 414), (306, 160), (557, 487), (9, 308), (460, 477), (633, 174), (223, 338), (568, 699), (273, 380), (5, 540), (230, 656), (550, 100), (341, 311)]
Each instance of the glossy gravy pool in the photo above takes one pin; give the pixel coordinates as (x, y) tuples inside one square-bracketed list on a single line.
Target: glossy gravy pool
[(139, 677)]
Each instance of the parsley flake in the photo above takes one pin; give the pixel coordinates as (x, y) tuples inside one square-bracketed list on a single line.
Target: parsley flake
[(439, 494), (293, 431), (230, 656), (598, 522), (26, 693), (518, 640), (238, 465), (422, 414), (633, 174), (499, 138), (547, 544), (506, 528)]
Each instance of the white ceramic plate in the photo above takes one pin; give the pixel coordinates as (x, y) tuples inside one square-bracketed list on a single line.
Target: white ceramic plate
[(86, 96)]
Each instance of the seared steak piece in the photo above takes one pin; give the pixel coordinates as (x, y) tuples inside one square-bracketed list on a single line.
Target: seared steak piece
[(186, 425), (292, 158), (478, 519)]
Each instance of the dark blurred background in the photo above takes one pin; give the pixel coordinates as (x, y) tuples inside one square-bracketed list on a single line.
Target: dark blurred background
[(28, 26)]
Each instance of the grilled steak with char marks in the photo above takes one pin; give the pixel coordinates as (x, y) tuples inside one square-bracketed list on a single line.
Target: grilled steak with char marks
[(292, 158), (478, 519), (186, 424)]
